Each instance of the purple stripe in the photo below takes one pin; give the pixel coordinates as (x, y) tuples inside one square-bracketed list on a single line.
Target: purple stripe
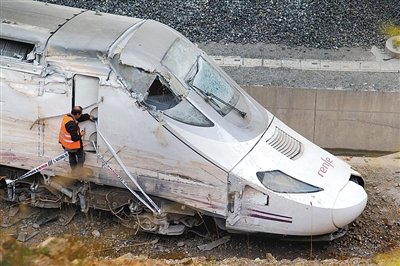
[(268, 213), (269, 218)]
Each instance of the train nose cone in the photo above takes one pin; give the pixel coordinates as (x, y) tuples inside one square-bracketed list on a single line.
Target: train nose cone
[(349, 204)]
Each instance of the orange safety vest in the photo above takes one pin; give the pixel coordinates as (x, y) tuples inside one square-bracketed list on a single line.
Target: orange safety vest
[(65, 137)]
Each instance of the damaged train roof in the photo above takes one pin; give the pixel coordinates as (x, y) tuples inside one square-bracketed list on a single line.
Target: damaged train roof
[(65, 30), (61, 33), (17, 23)]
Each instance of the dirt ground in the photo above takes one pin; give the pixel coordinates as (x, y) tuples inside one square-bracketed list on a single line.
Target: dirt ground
[(100, 239)]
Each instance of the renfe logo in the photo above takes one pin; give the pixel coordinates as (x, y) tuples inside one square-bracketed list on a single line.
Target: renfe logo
[(325, 166)]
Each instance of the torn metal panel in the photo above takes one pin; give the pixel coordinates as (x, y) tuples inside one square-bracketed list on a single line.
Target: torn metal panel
[(76, 64), (136, 80), (148, 46), (19, 66)]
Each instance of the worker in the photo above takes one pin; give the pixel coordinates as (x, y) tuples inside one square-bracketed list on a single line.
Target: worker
[(70, 138)]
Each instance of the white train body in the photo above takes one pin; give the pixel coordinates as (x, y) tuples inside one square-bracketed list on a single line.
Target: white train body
[(154, 94)]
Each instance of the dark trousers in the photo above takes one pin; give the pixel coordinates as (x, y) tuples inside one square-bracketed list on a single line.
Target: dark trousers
[(76, 158)]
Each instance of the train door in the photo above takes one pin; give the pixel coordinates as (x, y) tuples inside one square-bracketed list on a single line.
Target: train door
[(86, 94)]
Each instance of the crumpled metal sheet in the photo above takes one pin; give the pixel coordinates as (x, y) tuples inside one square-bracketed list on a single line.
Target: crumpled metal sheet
[(148, 46)]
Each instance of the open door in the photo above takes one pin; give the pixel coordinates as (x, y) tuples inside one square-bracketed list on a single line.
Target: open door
[(86, 94)]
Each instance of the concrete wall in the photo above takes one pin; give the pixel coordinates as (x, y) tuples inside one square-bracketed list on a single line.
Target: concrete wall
[(334, 119)]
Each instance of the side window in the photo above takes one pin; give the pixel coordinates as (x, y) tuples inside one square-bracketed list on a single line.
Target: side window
[(156, 94), (162, 99), (186, 113), (160, 96), (17, 50)]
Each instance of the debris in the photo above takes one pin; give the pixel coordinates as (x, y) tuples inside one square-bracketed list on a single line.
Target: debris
[(180, 244), (127, 256), (214, 244), (67, 246), (388, 222), (47, 216), (155, 241), (32, 235), (13, 210), (270, 258), (26, 211), (10, 220), (22, 236), (35, 225), (67, 215), (7, 223), (96, 233)]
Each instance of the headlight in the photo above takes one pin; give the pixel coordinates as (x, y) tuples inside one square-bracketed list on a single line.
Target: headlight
[(280, 182)]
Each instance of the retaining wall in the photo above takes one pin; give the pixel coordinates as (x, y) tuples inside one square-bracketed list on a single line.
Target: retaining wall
[(335, 119)]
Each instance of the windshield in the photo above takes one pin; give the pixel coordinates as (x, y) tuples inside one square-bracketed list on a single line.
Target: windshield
[(207, 80), (180, 58)]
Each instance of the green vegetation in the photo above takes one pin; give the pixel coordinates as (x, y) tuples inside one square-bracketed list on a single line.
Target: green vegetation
[(391, 258), (390, 30)]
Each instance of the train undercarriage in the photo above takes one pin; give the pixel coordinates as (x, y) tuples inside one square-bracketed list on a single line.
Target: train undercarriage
[(55, 192)]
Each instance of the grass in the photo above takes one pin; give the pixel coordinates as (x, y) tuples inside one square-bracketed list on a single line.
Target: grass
[(390, 29)]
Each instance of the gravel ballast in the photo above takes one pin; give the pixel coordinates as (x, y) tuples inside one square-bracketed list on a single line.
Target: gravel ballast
[(316, 24)]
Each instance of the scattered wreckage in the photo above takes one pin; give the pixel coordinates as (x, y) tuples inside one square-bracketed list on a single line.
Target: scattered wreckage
[(176, 138)]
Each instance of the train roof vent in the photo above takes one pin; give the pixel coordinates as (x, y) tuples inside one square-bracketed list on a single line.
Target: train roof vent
[(286, 144)]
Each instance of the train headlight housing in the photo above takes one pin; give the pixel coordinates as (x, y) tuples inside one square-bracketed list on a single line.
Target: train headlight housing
[(280, 182)]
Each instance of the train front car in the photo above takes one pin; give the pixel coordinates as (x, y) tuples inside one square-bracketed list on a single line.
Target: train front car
[(278, 181), (288, 185), (185, 132)]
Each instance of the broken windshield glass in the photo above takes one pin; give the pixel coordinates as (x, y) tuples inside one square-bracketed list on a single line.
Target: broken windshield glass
[(180, 58), (208, 81), (186, 113)]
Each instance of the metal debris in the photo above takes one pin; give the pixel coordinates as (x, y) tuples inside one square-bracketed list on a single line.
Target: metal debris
[(214, 244), (67, 215), (10, 219), (13, 210), (155, 241), (23, 236), (96, 233), (47, 216)]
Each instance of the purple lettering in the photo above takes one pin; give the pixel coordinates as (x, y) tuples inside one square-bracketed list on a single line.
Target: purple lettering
[(326, 163)]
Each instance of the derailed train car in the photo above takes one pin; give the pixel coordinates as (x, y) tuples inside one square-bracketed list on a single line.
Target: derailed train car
[(175, 138)]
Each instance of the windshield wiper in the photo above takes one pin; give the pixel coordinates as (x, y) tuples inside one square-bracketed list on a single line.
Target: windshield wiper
[(190, 80), (213, 97)]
